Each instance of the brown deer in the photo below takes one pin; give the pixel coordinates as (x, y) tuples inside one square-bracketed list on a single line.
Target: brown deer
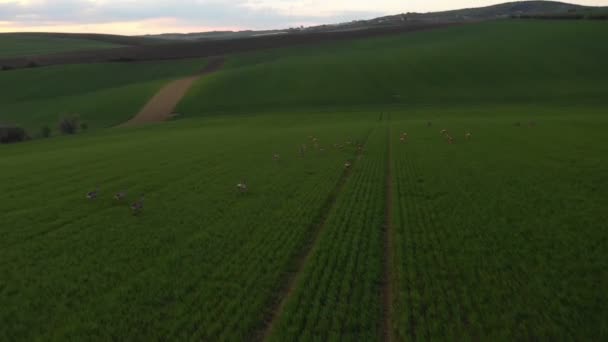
[(138, 206)]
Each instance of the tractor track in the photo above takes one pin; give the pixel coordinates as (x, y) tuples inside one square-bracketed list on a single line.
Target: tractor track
[(387, 290), (292, 279)]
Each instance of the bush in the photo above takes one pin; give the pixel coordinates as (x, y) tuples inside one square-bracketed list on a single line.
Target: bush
[(7, 68), (69, 124), (84, 126), (45, 131), (12, 134)]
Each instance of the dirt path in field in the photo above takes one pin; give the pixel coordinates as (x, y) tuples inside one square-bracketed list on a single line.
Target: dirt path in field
[(294, 278), (161, 107), (387, 290)]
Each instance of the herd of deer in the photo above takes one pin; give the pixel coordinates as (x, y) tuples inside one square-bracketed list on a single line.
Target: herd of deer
[(136, 207), (444, 133)]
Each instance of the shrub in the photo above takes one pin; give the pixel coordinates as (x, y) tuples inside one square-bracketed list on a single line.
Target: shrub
[(12, 134), (7, 68), (84, 126), (69, 124), (45, 131)]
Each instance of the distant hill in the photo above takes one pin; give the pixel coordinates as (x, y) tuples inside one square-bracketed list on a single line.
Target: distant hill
[(506, 10), (194, 45), (501, 11), (215, 35), (40, 43), (546, 9), (102, 38)]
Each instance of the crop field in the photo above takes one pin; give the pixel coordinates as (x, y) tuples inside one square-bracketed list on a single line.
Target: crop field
[(194, 221), (501, 236), (338, 296), (392, 193), (471, 65), (19, 45), (36, 97)]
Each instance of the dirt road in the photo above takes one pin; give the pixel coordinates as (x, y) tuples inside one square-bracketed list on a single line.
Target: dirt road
[(162, 106)]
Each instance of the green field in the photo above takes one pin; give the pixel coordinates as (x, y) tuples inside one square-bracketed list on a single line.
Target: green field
[(20, 45), (473, 65), (103, 95), (499, 237)]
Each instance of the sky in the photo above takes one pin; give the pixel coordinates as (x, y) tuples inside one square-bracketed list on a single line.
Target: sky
[(133, 17)]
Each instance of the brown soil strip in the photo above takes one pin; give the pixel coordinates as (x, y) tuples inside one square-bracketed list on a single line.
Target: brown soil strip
[(387, 291), (162, 105), (301, 259)]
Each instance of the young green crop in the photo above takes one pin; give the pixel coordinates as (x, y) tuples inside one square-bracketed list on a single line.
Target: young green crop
[(501, 236), (505, 62), (20, 45), (338, 294), (201, 262), (102, 94)]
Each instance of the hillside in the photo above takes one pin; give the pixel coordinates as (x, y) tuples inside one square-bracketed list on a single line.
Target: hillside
[(18, 45), (437, 185), (500, 11), (205, 44), (489, 64), (502, 62), (34, 98), (33, 44), (507, 10)]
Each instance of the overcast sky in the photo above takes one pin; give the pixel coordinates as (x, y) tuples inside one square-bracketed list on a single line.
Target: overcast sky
[(158, 16)]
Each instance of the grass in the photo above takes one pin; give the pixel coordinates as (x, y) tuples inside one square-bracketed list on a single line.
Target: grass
[(505, 62), (103, 95), (194, 219), (21, 45), (502, 237), (337, 297)]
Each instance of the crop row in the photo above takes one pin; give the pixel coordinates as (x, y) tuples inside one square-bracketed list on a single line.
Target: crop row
[(338, 295), (485, 246), (201, 262)]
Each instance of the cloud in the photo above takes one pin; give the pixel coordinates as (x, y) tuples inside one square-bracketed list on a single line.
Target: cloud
[(243, 13)]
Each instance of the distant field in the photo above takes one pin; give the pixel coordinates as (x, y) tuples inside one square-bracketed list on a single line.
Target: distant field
[(19, 45), (361, 221), (501, 62), (102, 94)]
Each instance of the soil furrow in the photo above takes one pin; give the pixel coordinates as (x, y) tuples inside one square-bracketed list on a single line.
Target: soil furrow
[(293, 278), (387, 291)]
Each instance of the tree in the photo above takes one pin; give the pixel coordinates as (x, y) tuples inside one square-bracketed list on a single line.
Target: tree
[(69, 124), (12, 134)]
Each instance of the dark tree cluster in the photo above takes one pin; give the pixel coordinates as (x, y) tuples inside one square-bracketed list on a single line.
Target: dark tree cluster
[(12, 134)]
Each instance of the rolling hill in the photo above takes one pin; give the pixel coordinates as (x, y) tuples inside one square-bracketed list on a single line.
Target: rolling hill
[(33, 44), (445, 184)]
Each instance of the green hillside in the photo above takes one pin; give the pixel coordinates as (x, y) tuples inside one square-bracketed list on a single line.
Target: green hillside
[(19, 45), (507, 62), (103, 95), (445, 185)]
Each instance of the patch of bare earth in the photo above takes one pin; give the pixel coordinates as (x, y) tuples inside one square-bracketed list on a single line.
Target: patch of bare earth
[(162, 106)]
